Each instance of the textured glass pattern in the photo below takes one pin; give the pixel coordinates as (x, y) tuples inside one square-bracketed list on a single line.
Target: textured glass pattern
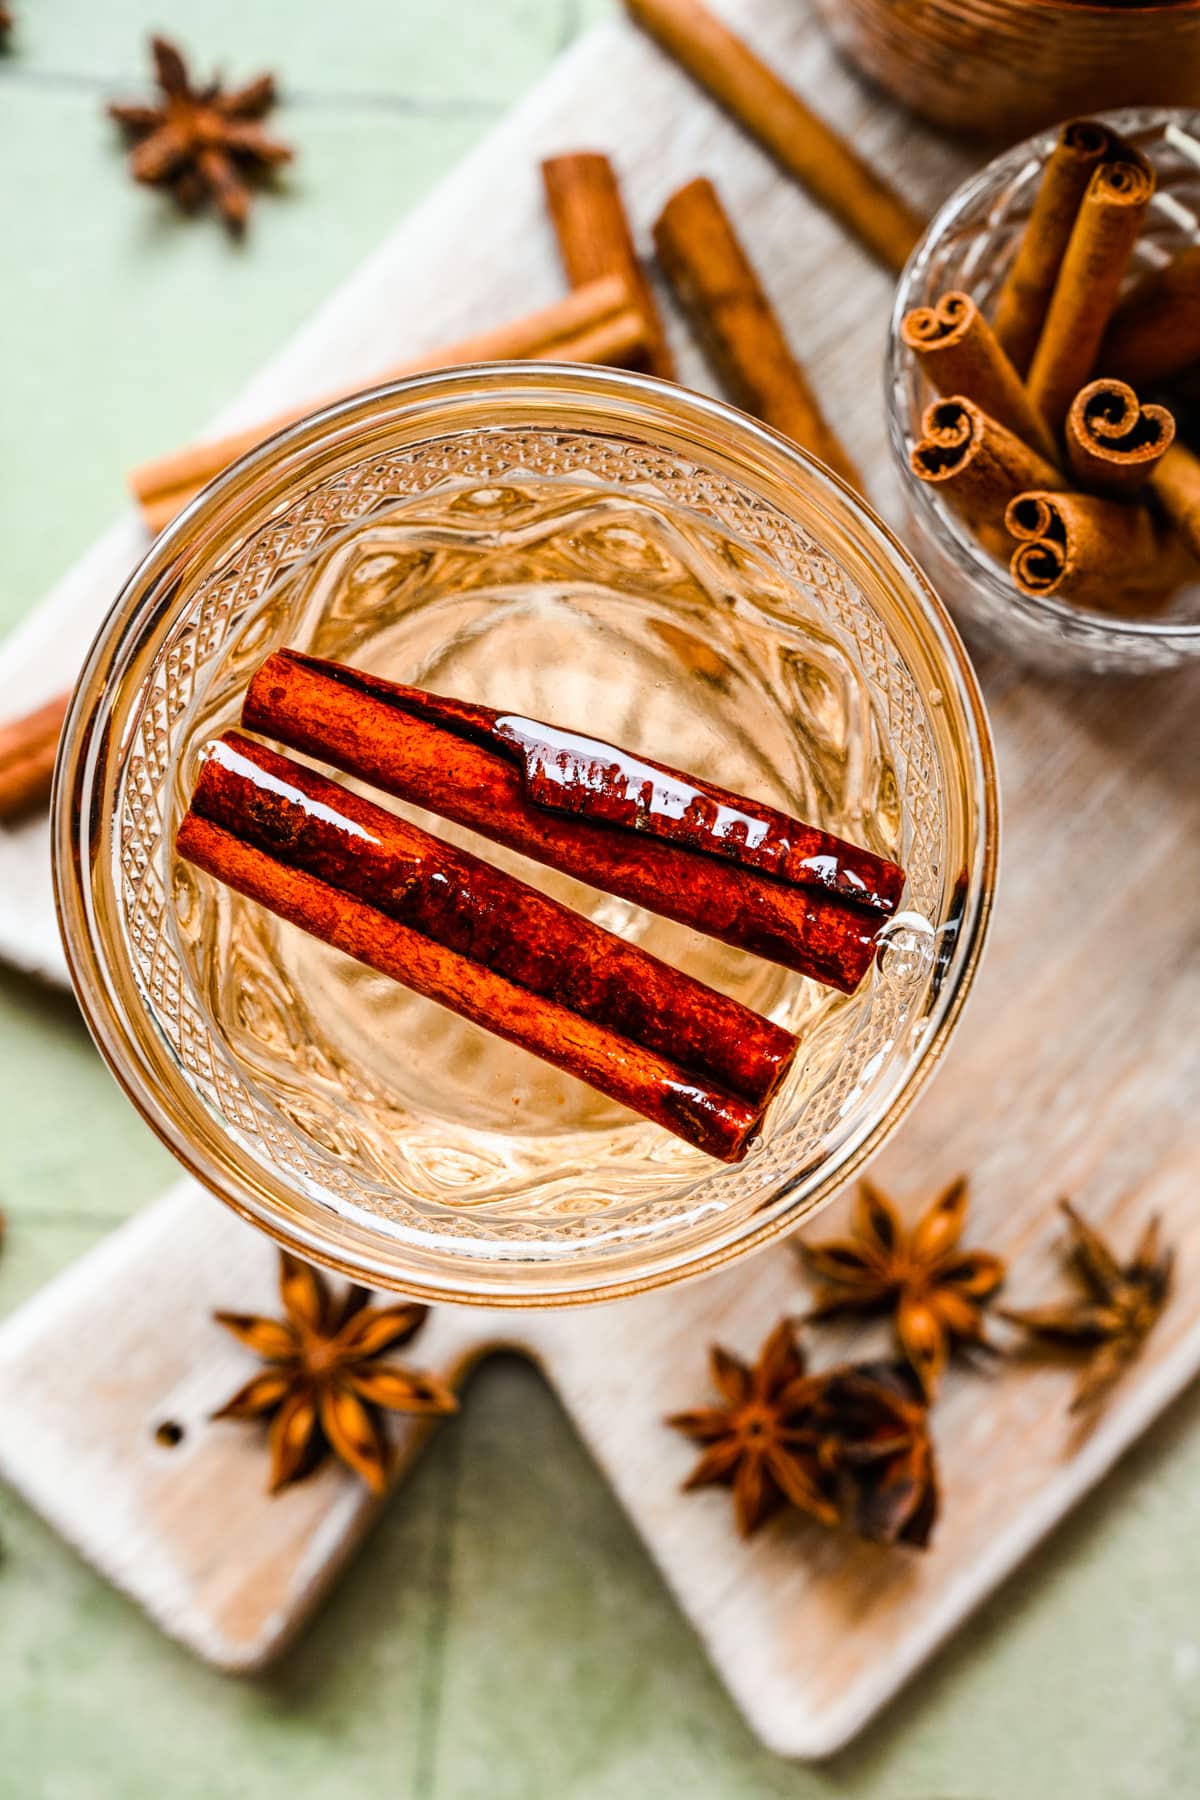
[(619, 547)]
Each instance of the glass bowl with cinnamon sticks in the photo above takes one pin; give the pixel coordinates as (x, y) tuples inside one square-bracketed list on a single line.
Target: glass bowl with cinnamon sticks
[(1044, 373), (525, 834)]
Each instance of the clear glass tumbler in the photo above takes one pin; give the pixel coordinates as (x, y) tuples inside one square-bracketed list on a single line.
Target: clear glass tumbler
[(599, 550)]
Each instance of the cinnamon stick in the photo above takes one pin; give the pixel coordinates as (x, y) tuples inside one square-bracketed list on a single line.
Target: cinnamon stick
[(1155, 331), (1105, 231), (596, 323), (717, 1123), (1083, 144), (761, 882), (1099, 553), (717, 286), (28, 748), (807, 148), (977, 465), (616, 341), (1176, 482), (298, 816), (1114, 443), (961, 355), (594, 240), (1038, 564)]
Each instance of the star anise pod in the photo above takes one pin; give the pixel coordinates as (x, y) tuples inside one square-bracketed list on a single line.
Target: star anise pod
[(759, 1441), (937, 1291), (872, 1429), (325, 1389), (1121, 1304), (201, 144), (6, 20)]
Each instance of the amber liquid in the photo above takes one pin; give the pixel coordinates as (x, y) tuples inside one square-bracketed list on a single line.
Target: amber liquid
[(601, 614)]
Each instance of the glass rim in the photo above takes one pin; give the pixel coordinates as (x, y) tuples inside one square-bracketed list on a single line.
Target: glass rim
[(122, 654), (937, 515)]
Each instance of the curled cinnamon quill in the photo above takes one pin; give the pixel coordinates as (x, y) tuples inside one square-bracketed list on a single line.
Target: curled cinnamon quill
[(1099, 553), (978, 465), (1094, 263), (959, 351), (1114, 442), (1083, 144)]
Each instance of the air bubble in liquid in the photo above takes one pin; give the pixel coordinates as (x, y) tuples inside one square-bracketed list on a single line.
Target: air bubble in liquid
[(906, 949)]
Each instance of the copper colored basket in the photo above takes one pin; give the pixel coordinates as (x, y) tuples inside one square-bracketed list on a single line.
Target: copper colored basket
[(1006, 68)]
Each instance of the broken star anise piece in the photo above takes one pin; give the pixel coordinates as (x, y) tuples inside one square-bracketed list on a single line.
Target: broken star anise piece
[(201, 144), (758, 1441), (937, 1291), (324, 1388), (872, 1427), (1122, 1303)]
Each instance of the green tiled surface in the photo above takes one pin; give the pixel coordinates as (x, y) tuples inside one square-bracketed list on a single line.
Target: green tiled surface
[(503, 1634)]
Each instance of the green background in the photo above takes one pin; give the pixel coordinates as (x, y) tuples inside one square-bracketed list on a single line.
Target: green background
[(503, 1634)]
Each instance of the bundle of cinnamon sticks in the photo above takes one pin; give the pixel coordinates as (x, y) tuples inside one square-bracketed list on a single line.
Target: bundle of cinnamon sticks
[(1051, 439), (497, 951)]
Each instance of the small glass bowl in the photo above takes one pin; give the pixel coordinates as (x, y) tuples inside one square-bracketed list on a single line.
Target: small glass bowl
[(969, 246), (587, 546)]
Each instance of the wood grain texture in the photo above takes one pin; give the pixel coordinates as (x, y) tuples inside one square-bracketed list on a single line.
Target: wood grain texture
[(188, 1529), (1075, 1070)]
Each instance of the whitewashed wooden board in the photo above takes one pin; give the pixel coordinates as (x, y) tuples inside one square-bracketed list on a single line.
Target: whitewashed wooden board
[(1077, 1068)]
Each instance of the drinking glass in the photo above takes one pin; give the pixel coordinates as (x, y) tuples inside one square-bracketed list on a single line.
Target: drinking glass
[(609, 553)]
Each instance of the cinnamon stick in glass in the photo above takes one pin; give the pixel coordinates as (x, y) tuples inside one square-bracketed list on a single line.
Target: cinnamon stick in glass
[(1020, 311), (1155, 331), (807, 148), (1105, 554), (717, 1123), (594, 240), (729, 867), (1114, 443), (1094, 263), (597, 323), (978, 466), (718, 288), (1176, 482), (28, 748), (311, 823), (960, 353)]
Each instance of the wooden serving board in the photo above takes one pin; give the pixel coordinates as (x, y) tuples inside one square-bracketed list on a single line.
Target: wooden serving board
[(1077, 1068)]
